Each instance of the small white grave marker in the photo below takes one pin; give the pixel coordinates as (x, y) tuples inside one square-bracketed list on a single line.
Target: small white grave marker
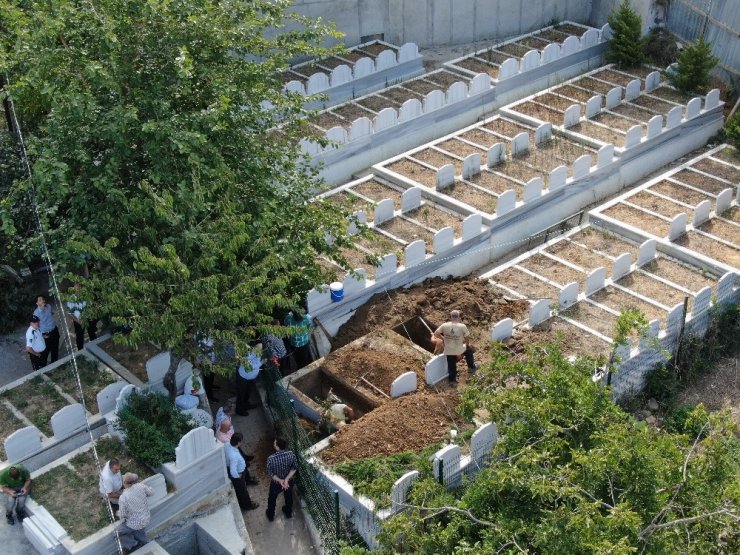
[(595, 280)]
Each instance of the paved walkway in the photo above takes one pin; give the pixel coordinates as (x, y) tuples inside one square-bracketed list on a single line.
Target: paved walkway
[(13, 540)]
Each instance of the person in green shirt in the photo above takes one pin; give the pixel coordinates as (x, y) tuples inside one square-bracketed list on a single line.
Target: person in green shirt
[(15, 482)]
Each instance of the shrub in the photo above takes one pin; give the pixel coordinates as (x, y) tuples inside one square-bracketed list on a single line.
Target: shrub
[(694, 65), (687, 419), (153, 427), (626, 47), (660, 47), (732, 130)]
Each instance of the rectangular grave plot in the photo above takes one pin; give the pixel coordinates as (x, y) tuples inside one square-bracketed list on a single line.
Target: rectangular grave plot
[(492, 56), (598, 132), (330, 270), (374, 49), (92, 376), (481, 137), (557, 102), (728, 154), (352, 203), (723, 230), (378, 191), (655, 104), (479, 66), (331, 63), (679, 192), (614, 121), (672, 95), (598, 87), (517, 169), (400, 94), (38, 401), (358, 259), (654, 289), (612, 76), (732, 214), (605, 242), (639, 219), (415, 172), (565, 148), (552, 35), (288, 76), (8, 424), (307, 70), (513, 49), (496, 183), (472, 196), (618, 300), (526, 285), (327, 120), (509, 128), (408, 231), (352, 56), (573, 340), (638, 72), (631, 111), (540, 112), (533, 43), (576, 93), (444, 79), (700, 181), (718, 169), (436, 218), (437, 159), (592, 316), (553, 270), (377, 103), (570, 29), (679, 274), (461, 148), (659, 205), (352, 111), (422, 86), (580, 256), (379, 244)]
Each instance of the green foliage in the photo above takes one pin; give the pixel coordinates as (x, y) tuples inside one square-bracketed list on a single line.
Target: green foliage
[(572, 473), (626, 47), (153, 427), (732, 130), (660, 47), (694, 65), (687, 419)]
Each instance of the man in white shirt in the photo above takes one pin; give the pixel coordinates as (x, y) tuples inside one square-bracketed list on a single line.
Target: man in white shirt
[(456, 344), (236, 468), (111, 482), (35, 344)]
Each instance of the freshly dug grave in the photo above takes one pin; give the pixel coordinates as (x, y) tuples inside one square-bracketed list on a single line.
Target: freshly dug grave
[(408, 423), (480, 304)]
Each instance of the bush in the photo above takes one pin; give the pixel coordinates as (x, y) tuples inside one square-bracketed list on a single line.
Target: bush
[(694, 65), (660, 47), (626, 47), (153, 427), (687, 419), (732, 130)]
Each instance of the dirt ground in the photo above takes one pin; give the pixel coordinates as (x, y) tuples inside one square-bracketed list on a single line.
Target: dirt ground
[(718, 390), (134, 360)]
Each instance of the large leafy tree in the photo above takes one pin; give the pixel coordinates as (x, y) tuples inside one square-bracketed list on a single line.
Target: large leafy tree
[(166, 162), (574, 474)]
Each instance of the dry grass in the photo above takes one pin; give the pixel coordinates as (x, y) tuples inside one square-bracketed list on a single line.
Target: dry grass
[(717, 390)]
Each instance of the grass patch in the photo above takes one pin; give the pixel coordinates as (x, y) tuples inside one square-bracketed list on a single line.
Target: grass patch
[(94, 378), (38, 401), (8, 424)]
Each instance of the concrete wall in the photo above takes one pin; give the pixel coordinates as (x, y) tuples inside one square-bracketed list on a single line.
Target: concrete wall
[(441, 22), (652, 12)]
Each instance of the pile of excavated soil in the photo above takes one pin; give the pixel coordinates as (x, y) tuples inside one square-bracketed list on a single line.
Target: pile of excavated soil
[(407, 423), (481, 307)]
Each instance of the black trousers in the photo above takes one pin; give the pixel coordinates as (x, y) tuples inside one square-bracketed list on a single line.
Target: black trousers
[(452, 363), (52, 346), (302, 356), (242, 495), (37, 361), (92, 331), (275, 490), (244, 389)]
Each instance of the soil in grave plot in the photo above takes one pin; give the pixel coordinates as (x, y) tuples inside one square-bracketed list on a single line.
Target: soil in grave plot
[(654, 289), (414, 171), (632, 111), (376, 48), (615, 77), (408, 231), (543, 161), (639, 71), (357, 258), (352, 111), (728, 154), (352, 203), (570, 29), (421, 86), (580, 256), (576, 93), (516, 168), (679, 192), (378, 191), (594, 85), (8, 424), (605, 242), (526, 285), (718, 169), (445, 78), (380, 244), (379, 358), (553, 270), (308, 69), (619, 300), (400, 94), (352, 56), (672, 95), (327, 120), (533, 43), (732, 214), (377, 103), (492, 56), (93, 376), (436, 218), (508, 128), (433, 299), (593, 317), (659, 205), (614, 121), (552, 35), (655, 104), (677, 273), (540, 112), (132, 359), (408, 423), (472, 196), (38, 401), (332, 63), (572, 339), (437, 159), (724, 230), (479, 66), (711, 248), (701, 181), (513, 49), (481, 137), (462, 149), (289, 76), (639, 219), (330, 270), (558, 102), (598, 132), (497, 183), (565, 149)]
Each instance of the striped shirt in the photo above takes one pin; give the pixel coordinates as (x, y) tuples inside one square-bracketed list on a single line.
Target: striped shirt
[(274, 346), (133, 506), (281, 463)]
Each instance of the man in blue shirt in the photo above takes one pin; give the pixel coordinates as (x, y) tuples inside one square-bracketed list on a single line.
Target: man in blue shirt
[(246, 376), (236, 468), (48, 329)]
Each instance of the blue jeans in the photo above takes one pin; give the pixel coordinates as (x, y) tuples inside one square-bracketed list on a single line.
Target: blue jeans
[(131, 538)]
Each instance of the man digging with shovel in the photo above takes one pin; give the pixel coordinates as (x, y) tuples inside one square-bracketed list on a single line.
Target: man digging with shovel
[(455, 340)]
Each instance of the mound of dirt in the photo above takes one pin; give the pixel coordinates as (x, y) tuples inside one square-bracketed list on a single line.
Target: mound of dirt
[(480, 304), (407, 423)]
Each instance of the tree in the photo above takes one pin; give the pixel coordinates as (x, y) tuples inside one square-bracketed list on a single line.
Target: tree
[(166, 161), (626, 47), (572, 473), (694, 64)]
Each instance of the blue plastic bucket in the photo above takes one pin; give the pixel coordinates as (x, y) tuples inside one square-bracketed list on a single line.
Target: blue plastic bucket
[(337, 291)]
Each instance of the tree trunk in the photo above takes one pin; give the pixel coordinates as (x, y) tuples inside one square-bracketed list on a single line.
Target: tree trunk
[(169, 377)]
